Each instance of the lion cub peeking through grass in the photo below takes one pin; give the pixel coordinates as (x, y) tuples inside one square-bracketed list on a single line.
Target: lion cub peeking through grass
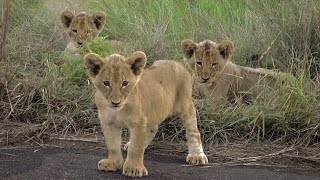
[(219, 79), (83, 27), (127, 95)]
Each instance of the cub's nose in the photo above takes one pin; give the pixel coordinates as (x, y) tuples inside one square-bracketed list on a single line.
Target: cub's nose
[(115, 103), (80, 43)]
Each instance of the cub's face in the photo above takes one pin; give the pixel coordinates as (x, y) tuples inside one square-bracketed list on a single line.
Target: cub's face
[(208, 58), (115, 76), (81, 28)]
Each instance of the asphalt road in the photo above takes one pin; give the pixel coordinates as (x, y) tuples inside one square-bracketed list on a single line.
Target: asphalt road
[(73, 163)]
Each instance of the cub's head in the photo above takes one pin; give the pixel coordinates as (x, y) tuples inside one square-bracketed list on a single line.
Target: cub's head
[(208, 57), (81, 27), (115, 76)]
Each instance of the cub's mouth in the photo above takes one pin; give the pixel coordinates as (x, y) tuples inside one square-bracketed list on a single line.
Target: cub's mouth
[(72, 49), (115, 107), (207, 82), (204, 81)]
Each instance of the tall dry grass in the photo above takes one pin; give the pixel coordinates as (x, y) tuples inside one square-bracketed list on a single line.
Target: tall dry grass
[(5, 7), (38, 101)]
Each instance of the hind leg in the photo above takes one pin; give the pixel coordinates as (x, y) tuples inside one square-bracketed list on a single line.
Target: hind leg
[(189, 119)]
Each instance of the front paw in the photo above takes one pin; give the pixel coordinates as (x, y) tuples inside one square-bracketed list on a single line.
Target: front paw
[(133, 169), (197, 158), (110, 165)]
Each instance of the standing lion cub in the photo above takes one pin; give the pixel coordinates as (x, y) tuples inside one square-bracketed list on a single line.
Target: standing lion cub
[(127, 95), (219, 79)]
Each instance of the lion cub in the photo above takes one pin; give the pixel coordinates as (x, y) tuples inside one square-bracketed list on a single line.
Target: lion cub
[(218, 78), (83, 27), (127, 95)]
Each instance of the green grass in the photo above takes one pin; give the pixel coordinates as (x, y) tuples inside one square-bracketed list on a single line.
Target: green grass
[(158, 27), (37, 89)]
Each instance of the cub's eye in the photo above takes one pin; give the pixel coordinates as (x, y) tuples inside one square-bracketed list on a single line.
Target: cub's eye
[(74, 30), (125, 83), (214, 64), (106, 83), (199, 63)]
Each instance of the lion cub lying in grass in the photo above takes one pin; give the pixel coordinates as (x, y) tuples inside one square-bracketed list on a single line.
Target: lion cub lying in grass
[(127, 95), (218, 78), (83, 27)]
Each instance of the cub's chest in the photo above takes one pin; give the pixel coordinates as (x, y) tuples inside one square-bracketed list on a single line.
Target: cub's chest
[(111, 118), (121, 118)]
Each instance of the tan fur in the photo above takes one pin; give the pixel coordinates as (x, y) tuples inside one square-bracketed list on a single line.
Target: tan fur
[(218, 78), (127, 95), (83, 27)]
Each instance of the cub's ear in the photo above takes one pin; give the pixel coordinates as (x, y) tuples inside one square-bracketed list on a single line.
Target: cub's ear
[(137, 61), (99, 20), (225, 48), (93, 63), (188, 48), (66, 18)]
